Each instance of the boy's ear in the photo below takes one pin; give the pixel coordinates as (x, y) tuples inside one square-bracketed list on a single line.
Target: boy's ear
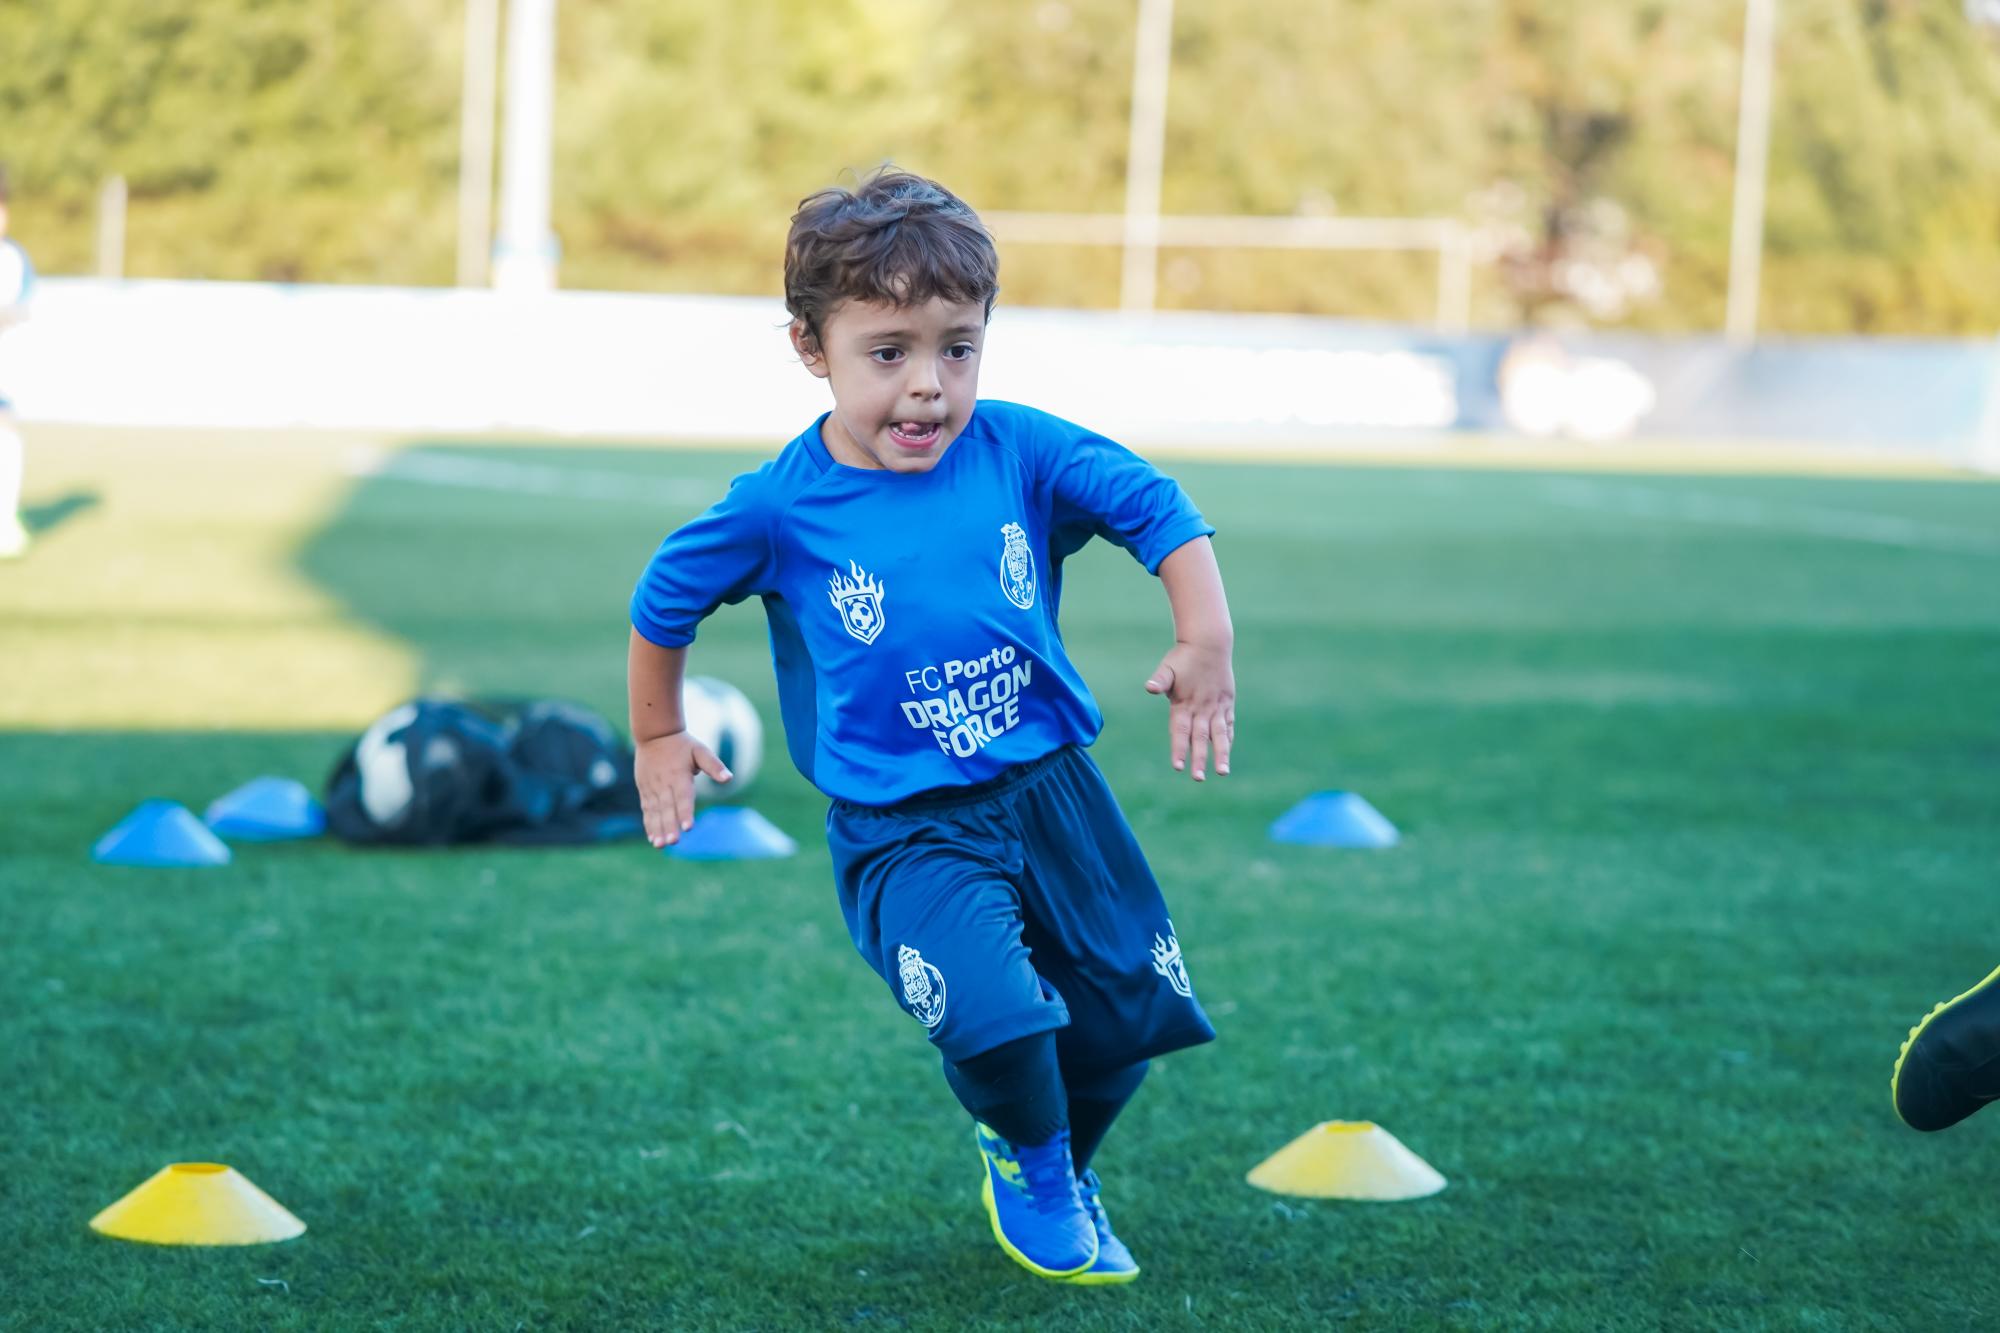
[(808, 349)]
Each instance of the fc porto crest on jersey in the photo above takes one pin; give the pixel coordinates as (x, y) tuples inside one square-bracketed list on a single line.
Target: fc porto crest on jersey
[(859, 601), (1017, 567), (1167, 961), (923, 986)]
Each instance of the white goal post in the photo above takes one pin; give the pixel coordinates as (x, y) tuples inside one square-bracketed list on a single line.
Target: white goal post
[(1449, 237)]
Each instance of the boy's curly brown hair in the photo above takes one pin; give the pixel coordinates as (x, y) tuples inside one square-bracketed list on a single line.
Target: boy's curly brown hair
[(896, 238)]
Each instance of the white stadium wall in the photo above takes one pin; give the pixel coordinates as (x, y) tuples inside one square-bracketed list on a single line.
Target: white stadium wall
[(609, 365)]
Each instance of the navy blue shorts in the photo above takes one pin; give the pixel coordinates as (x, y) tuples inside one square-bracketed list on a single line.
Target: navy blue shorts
[(1016, 906)]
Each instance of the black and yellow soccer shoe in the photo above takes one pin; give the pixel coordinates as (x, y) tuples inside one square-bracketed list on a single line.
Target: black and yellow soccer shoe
[(1949, 1066)]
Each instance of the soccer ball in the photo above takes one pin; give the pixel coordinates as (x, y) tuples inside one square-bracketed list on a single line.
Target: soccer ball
[(720, 717), (383, 764)]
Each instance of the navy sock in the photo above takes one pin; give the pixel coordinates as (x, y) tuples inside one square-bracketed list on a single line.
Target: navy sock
[(1093, 1104), (1016, 1089)]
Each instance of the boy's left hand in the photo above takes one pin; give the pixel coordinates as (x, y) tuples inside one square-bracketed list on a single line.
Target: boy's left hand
[(1200, 685)]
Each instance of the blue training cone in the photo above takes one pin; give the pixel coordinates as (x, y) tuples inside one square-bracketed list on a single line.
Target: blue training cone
[(266, 810), (160, 833), (1334, 819), (732, 833)]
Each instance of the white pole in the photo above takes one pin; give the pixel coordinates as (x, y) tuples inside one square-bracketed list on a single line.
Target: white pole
[(1753, 151), (1151, 58), (475, 140), (111, 228), (1454, 308), (524, 256)]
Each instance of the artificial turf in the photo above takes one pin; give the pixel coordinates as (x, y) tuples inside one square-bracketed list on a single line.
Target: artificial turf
[(1697, 780)]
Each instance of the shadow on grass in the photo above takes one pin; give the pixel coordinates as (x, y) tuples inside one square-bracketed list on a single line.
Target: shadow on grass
[(54, 513), (508, 571)]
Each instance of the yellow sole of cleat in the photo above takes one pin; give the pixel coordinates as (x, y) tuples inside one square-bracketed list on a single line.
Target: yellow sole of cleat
[(1896, 1075), (993, 1216), (1103, 1279)]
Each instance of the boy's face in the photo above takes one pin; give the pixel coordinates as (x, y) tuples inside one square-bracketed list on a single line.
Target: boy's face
[(904, 380)]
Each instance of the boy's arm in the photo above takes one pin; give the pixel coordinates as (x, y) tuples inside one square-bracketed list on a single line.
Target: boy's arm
[(1196, 675), (665, 757), (723, 555)]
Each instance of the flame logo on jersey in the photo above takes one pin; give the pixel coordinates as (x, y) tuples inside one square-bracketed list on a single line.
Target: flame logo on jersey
[(859, 601), (923, 986), (1017, 566), (1167, 961)]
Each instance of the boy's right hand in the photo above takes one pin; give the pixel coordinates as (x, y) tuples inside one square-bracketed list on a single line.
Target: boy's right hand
[(664, 768)]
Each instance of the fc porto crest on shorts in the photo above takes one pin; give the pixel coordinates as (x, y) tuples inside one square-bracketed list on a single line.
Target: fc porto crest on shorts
[(923, 986), (1017, 566), (1167, 961), (859, 601)]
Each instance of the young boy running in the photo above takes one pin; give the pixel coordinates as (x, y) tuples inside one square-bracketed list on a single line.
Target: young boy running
[(908, 548)]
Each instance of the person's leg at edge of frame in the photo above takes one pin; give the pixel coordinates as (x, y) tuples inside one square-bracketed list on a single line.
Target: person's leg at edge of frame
[(1949, 1065)]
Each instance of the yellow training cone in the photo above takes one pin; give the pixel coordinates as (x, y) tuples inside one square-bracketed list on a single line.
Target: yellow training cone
[(198, 1203), (1347, 1159)]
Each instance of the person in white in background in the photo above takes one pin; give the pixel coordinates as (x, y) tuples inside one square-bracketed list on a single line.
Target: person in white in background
[(17, 279)]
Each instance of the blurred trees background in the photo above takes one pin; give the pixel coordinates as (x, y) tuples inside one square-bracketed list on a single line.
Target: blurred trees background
[(1590, 143)]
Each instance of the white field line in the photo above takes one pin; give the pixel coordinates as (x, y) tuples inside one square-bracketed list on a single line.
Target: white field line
[(1730, 511), (493, 474)]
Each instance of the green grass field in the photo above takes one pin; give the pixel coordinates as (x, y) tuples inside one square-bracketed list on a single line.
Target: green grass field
[(1697, 778)]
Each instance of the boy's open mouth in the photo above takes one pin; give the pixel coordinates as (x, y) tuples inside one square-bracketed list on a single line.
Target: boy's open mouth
[(915, 434)]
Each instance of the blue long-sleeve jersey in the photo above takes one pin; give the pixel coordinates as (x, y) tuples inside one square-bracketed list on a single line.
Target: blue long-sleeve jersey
[(913, 615)]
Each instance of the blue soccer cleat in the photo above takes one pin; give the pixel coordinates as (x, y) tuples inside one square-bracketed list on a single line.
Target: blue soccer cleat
[(1033, 1202), (1114, 1263), (1949, 1066)]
